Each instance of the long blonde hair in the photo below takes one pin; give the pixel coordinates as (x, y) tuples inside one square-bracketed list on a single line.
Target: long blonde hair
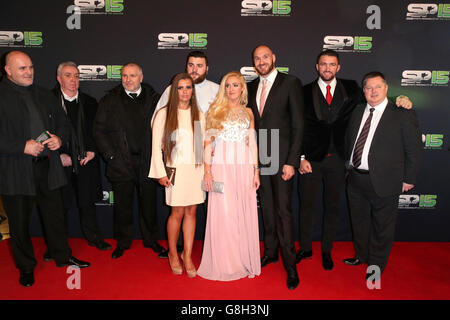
[(218, 110)]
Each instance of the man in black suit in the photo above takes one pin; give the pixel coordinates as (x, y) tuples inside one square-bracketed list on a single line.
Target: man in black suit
[(79, 155), (329, 102), (122, 132), (31, 168), (383, 145), (276, 100)]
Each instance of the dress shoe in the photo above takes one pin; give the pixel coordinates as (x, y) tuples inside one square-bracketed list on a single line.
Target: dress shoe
[(265, 260), (176, 268), (74, 262), (100, 245), (327, 262), (47, 257), (292, 281), (117, 253), (156, 247), (356, 261), (302, 254), (26, 278)]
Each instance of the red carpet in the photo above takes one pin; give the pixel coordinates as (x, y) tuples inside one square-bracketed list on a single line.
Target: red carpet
[(415, 271)]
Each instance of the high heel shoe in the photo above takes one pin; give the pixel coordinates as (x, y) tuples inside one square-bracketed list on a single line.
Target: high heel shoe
[(176, 270), (191, 273)]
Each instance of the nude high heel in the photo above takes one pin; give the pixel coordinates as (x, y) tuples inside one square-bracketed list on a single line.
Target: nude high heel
[(176, 270), (191, 273)]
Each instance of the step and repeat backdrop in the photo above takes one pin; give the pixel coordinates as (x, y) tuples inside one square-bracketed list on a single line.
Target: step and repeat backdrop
[(408, 41)]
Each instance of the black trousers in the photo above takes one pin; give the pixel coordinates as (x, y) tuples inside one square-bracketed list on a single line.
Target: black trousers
[(51, 209), (123, 211), (329, 173), (276, 196), (373, 220), (84, 201)]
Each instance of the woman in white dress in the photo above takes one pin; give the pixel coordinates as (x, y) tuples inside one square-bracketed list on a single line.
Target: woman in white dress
[(178, 131)]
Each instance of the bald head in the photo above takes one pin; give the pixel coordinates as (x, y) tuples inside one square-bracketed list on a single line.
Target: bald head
[(19, 68)]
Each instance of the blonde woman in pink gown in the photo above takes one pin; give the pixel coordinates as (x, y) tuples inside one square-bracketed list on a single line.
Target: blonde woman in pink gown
[(231, 249)]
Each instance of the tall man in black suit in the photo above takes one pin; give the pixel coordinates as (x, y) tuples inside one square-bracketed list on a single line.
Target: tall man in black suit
[(329, 102), (123, 136), (383, 145), (276, 100)]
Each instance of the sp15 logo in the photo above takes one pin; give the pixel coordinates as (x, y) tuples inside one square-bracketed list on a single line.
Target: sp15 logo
[(415, 201), (250, 73), (425, 78), (265, 7), (428, 11), (20, 39), (348, 43), (182, 40), (100, 72), (110, 6), (433, 141)]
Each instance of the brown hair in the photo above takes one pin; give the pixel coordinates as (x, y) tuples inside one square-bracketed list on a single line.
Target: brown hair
[(171, 123)]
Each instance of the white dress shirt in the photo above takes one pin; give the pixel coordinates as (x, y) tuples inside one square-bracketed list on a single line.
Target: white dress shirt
[(138, 92), (206, 92), (270, 80), (377, 113), (323, 86), (69, 98)]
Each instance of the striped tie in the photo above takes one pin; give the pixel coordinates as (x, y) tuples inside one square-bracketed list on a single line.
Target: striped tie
[(359, 147)]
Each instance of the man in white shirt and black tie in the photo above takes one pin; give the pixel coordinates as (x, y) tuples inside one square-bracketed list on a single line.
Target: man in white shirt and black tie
[(123, 136), (383, 144)]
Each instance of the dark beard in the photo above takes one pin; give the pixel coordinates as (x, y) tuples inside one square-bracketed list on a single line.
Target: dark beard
[(269, 70), (200, 79)]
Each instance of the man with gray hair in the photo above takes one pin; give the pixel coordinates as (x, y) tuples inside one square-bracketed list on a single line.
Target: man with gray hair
[(79, 154)]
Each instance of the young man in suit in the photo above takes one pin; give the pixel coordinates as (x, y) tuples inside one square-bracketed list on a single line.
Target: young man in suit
[(329, 102), (276, 100), (383, 145)]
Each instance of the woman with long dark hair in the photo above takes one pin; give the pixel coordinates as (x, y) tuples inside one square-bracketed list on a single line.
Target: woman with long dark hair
[(178, 131)]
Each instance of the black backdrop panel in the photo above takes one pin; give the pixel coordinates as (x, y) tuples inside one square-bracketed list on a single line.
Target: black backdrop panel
[(410, 46)]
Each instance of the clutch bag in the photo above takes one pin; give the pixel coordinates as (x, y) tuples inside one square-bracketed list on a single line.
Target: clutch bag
[(218, 187), (170, 171)]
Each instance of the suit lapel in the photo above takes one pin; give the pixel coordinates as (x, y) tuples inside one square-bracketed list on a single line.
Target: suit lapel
[(272, 93), (315, 98), (253, 90), (384, 120), (356, 124), (340, 87)]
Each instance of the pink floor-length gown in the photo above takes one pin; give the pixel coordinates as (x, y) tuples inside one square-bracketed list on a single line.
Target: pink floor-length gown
[(231, 247)]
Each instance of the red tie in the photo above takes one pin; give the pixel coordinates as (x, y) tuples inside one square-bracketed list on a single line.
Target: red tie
[(329, 97)]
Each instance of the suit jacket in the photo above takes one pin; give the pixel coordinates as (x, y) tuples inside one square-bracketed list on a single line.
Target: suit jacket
[(318, 132), (111, 138), (396, 149), (283, 111), (16, 168)]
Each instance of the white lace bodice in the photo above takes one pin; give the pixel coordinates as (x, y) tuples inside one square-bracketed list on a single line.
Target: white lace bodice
[(235, 127)]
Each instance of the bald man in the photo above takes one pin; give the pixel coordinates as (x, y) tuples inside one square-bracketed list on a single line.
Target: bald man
[(32, 129), (123, 136), (277, 103)]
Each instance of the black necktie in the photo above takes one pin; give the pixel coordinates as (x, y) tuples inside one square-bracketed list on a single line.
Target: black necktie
[(359, 146), (133, 95)]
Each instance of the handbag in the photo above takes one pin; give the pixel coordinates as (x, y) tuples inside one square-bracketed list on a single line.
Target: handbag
[(170, 172), (218, 187)]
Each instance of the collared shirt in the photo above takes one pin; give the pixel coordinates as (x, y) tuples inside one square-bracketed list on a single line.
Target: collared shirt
[(138, 92), (270, 80), (323, 86), (206, 92), (70, 99), (377, 113)]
